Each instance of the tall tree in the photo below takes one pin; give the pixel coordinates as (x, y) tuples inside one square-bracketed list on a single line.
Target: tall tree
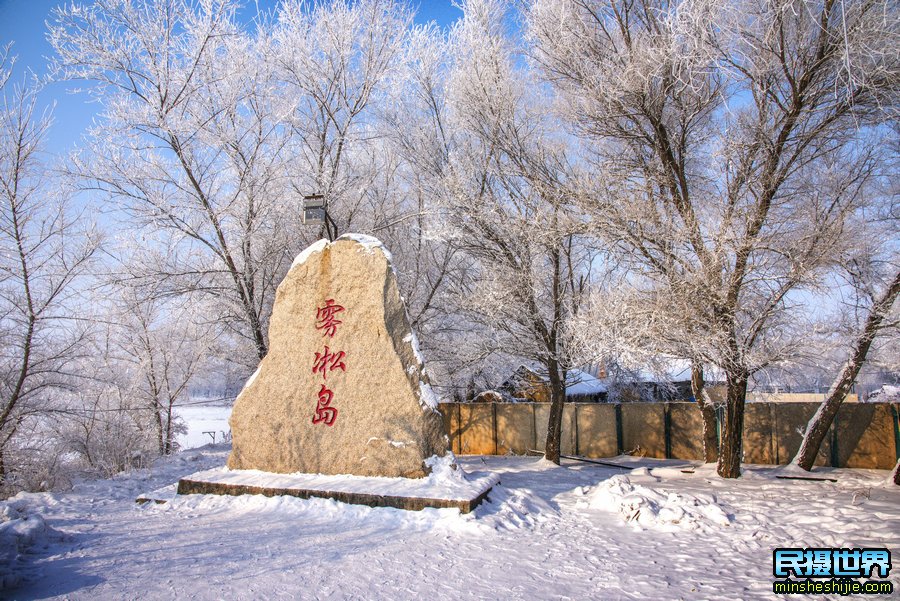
[(505, 207), (729, 144), (877, 292), (333, 61), (190, 148), (43, 253), (161, 347)]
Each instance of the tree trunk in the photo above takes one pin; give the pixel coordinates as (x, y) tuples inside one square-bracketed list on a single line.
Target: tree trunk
[(169, 413), (729, 465), (557, 376), (245, 295), (554, 425), (708, 413), (157, 409), (824, 417)]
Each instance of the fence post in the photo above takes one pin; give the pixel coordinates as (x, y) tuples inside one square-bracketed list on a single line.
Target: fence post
[(667, 430), (619, 435), (773, 439), (459, 427), (896, 413), (577, 444), (494, 426)]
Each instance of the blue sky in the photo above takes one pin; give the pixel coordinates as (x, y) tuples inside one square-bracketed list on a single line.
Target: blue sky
[(23, 23)]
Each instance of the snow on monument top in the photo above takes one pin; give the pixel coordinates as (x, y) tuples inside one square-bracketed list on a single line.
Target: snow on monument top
[(343, 389), (310, 250), (369, 244)]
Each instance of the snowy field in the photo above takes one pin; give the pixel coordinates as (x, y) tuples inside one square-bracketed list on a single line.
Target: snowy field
[(579, 531), (206, 424)]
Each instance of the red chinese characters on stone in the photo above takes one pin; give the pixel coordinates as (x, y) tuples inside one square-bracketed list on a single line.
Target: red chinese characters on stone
[(328, 362), (325, 413), (325, 318)]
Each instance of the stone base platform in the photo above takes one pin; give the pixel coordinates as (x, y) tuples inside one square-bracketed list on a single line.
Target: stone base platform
[(464, 492), (159, 496)]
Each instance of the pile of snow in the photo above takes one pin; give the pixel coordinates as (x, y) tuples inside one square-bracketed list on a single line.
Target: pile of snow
[(510, 510), (656, 509), (22, 531), (444, 471), (504, 509)]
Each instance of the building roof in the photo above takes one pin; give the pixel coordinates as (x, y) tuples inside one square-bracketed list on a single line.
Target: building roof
[(582, 383), (578, 382)]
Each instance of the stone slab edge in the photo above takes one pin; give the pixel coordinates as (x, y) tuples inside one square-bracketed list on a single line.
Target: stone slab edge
[(158, 496), (186, 486)]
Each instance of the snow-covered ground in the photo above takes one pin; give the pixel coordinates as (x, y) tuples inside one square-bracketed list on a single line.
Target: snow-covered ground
[(206, 424), (579, 531)]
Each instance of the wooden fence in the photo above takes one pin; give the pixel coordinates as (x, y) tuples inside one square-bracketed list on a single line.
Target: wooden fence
[(864, 435)]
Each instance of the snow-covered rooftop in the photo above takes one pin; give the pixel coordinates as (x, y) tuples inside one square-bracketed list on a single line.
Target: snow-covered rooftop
[(582, 383)]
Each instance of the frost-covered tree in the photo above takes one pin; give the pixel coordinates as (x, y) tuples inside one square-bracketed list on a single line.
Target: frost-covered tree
[(145, 352), (190, 148), (630, 322), (730, 141), (160, 349), (332, 61), (44, 252), (505, 205), (104, 429), (871, 275), (879, 311), (213, 134), (417, 126)]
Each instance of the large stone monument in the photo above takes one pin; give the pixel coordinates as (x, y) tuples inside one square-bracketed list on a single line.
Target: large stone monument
[(343, 389)]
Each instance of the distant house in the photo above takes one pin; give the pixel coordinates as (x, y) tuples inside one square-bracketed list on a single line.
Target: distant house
[(669, 380), (527, 385), (672, 382), (489, 396), (647, 386), (582, 387)]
